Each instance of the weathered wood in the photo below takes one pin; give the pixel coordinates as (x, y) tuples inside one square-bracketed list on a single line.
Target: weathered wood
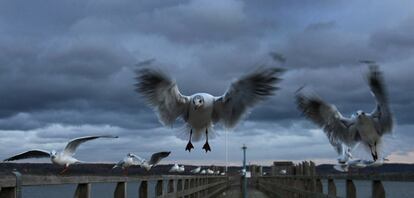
[(378, 189), (331, 187), (171, 186), (8, 192), (350, 189), (83, 191), (143, 189), (159, 188), (318, 186), (120, 190)]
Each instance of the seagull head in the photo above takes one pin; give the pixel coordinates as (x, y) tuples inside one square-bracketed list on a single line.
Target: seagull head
[(198, 101), (53, 154), (360, 114)]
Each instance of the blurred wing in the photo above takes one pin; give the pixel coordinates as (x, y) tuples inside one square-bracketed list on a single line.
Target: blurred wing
[(381, 113), (73, 144), (245, 93), (138, 158), (335, 126), (157, 157), (29, 154), (163, 94)]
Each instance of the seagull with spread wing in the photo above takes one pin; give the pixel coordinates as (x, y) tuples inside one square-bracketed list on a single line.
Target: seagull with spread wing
[(201, 110), (64, 158), (345, 133), (133, 160)]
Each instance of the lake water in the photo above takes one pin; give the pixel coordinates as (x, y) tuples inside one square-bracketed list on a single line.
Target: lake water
[(106, 190)]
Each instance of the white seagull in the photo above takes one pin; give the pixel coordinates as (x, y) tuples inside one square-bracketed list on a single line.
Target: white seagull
[(196, 170), (133, 160), (174, 168), (345, 133), (64, 158), (181, 169), (201, 110)]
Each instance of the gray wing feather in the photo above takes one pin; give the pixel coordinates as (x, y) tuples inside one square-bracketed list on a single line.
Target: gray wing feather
[(381, 113), (162, 93), (157, 157), (74, 144), (140, 159), (244, 93), (335, 126), (30, 154)]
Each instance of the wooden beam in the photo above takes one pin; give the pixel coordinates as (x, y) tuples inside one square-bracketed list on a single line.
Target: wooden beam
[(378, 189), (83, 191), (120, 190), (331, 187), (350, 189)]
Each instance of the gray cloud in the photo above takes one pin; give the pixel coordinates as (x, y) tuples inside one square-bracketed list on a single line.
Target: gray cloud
[(67, 70)]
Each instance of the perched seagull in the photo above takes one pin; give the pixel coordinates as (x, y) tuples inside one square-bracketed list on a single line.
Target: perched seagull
[(203, 172), (64, 158), (210, 172), (133, 160), (345, 133), (181, 169), (201, 110), (217, 172), (196, 170), (174, 168)]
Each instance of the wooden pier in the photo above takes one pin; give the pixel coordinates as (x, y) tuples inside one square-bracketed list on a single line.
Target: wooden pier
[(167, 186)]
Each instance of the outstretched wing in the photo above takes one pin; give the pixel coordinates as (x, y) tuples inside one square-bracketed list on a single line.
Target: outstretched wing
[(335, 126), (73, 144), (381, 113), (162, 93), (157, 157), (29, 154), (245, 93), (138, 158)]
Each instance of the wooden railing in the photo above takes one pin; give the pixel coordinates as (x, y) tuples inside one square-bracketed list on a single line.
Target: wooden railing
[(311, 186), (176, 185)]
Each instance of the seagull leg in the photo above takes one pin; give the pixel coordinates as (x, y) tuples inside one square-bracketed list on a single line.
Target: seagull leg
[(206, 145), (189, 145), (373, 153), (64, 170), (375, 150)]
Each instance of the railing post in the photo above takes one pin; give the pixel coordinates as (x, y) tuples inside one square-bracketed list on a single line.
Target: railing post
[(143, 189), (378, 189), (331, 187), (9, 192), (318, 186), (83, 191), (350, 189), (120, 190), (159, 188)]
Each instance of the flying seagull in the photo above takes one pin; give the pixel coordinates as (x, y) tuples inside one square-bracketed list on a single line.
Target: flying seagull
[(133, 160), (345, 133), (64, 158), (201, 110)]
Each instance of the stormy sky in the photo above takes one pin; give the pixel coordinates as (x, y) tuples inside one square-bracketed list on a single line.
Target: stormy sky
[(67, 70)]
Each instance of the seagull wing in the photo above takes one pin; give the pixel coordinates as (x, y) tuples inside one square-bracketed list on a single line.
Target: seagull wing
[(138, 158), (162, 93), (157, 157), (29, 154), (335, 126), (73, 144), (245, 93), (381, 114)]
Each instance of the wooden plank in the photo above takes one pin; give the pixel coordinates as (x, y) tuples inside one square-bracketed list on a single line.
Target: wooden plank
[(331, 187), (8, 192), (143, 189), (120, 190)]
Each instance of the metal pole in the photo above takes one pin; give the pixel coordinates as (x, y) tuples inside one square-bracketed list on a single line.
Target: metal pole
[(227, 152), (18, 183), (244, 172)]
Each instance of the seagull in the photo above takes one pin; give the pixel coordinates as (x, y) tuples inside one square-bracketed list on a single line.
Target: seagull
[(210, 172), (64, 158), (196, 170), (217, 172), (345, 133), (181, 169), (203, 172), (174, 168), (133, 160), (201, 110)]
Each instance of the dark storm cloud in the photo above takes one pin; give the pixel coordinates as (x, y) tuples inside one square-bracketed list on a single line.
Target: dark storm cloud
[(67, 68)]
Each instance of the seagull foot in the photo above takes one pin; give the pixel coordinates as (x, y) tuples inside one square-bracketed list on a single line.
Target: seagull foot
[(189, 147), (207, 147), (63, 171)]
